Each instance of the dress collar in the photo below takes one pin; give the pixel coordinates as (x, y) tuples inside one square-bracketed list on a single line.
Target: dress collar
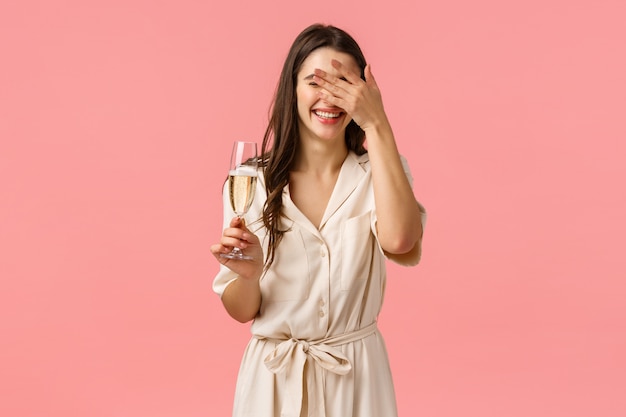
[(351, 172)]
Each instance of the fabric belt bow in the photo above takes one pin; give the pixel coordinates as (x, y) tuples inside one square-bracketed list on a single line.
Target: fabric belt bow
[(289, 357)]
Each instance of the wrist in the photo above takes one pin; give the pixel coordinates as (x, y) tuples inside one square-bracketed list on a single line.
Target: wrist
[(378, 129)]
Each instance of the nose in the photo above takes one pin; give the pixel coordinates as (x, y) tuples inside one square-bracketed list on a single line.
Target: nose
[(328, 104)]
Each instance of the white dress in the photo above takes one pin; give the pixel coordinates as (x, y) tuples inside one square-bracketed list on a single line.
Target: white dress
[(315, 349)]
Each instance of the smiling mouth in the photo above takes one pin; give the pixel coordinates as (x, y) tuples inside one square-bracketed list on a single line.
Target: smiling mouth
[(327, 114)]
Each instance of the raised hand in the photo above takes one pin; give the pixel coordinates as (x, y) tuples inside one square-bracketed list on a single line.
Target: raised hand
[(361, 99)]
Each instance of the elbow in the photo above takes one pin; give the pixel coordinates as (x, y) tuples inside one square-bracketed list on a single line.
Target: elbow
[(242, 314), (402, 241), (402, 238), (405, 254), (241, 303), (241, 317), (400, 245)]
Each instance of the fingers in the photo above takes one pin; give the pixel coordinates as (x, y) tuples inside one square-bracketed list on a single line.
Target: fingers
[(350, 76), (237, 235), (359, 98), (345, 80), (335, 100), (335, 90), (340, 81), (242, 231), (237, 222), (334, 85), (369, 77), (218, 249), (234, 237), (338, 89)]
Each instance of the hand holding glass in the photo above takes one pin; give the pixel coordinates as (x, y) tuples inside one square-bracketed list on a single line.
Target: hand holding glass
[(242, 185)]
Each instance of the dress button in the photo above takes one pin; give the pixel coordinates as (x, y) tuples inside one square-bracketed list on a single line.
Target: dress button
[(323, 252), (321, 314), (322, 303)]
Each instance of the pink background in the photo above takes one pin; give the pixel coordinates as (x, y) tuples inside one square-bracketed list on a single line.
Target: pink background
[(116, 120)]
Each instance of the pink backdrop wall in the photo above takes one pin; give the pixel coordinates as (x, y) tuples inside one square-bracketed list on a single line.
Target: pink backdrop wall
[(116, 119)]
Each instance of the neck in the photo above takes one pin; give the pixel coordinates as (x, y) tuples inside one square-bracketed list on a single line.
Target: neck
[(320, 158)]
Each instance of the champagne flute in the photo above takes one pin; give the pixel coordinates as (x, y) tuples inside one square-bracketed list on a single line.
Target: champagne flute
[(242, 178)]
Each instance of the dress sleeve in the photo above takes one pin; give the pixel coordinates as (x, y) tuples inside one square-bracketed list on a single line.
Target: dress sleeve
[(412, 257), (225, 276)]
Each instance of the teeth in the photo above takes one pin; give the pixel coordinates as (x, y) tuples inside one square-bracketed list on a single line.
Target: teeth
[(327, 115)]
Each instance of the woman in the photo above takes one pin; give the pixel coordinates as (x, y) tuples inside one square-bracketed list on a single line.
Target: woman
[(326, 214)]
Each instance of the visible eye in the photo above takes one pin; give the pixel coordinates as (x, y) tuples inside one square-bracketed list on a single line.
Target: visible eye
[(313, 84)]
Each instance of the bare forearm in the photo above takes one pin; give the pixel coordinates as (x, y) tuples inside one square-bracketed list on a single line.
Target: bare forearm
[(242, 299), (398, 215), (399, 223)]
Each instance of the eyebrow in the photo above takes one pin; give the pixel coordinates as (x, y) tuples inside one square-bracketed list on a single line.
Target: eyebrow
[(310, 76)]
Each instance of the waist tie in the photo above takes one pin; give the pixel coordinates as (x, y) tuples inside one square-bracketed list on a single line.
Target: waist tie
[(289, 357)]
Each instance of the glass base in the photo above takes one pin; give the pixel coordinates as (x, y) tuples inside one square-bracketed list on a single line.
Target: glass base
[(237, 254)]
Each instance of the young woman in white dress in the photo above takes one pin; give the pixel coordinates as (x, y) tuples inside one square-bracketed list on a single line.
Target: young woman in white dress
[(327, 213)]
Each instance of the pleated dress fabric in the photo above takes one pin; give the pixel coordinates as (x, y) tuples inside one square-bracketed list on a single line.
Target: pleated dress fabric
[(315, 350)]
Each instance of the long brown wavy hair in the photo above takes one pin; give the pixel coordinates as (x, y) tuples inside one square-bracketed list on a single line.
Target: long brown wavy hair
[(281, 139)]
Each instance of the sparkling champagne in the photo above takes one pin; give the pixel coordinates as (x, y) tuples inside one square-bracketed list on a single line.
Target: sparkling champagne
[(242, 179), (242, 184)]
